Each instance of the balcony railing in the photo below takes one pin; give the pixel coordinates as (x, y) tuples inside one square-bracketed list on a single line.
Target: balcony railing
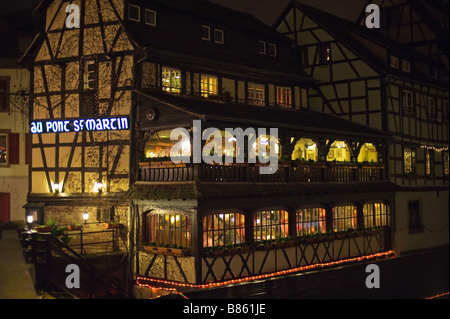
[(292, 172)]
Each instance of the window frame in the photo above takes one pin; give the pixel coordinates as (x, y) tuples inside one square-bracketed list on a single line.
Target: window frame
[(145, 17), (320, 217), (256, 93), (374, 219), (208, 92), (231, 233), (5, 81), (413, 164), (280, 92), (5, 133), (394, 62), (408, 108), (170, 89), (345, 222), (264, 47), (270, 226), (324, 53), (406, 66), (86, 75), (204, 28), (139, 12), (172, 235), (222, 37), (275, 50), (431, 108), (415, 224), (429, 163)]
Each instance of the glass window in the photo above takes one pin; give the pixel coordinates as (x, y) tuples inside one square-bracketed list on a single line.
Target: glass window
[(431, 108), (284, 98), (262, 47), (310, 221), (171, 80), (305, 149), (206, 33), (218, 36), (169, 229), (3, 149), (4, 93), (272, 50), (159, 145), (445, 109), (408, 102), (445, 156), (376, 214), (394, 62), (90, 75), (150, 17), (409, 160), (270, 224), (429, 162), (415, 224), (406, 66), (134, 13), (339, 151), (256, 94), (368, 153), (208, 85), (324, 53), (223, 229), (344, 217)]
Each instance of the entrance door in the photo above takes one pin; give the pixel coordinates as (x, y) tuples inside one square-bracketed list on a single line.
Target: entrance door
[(4, 207)]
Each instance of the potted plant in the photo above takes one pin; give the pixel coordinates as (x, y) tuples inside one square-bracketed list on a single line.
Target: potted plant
[(75, 227), (179, 251), (112, 225)]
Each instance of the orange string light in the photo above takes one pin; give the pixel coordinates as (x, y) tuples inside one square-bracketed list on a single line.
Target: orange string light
[(139, 279)]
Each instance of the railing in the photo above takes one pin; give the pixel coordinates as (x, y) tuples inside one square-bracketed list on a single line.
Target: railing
[(81, 241), (51, 257), (296, 172)]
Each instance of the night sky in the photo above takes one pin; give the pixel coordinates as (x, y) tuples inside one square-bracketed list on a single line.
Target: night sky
[(265, 10)]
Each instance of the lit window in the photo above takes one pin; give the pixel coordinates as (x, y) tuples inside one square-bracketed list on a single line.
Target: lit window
[(344, 218), (208, 85), (171, 80), (4, 94), (310, 221), (445, 156), (90, 75), (272, 50), (268, 225), (339, 152), (169, 229), (262, 47), (150, 17), (408, 102), (159, 145), (394, 62), (134, 13), (368, 153), (206, 33), (409, 160), (256, 94), (376, 214), (223, 229), (429, 162), (306, 150), (218, 36), (284, 97), (324, 53)]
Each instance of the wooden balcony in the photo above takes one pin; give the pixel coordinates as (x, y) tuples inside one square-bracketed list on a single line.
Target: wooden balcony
[(291, 172)]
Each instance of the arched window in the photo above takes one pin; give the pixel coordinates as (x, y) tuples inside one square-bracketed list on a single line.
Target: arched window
[(368, 153), (223, 229), (169, 229), (344, 218), (339, 151), (270, 224), (159, 145), (310, 221), (376, 214), (305, 149)]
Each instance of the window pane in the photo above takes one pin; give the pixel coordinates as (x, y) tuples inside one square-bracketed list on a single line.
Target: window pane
[(3, 149), (310, 221), (169, 229), (269, 225), (223, 229), (150, 17), (134, 12), (344, 218), (171, 80)]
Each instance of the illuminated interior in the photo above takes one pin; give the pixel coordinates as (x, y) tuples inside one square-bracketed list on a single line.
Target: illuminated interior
[(159, 145), (223, 229), (310, 221), (344, 217), (339, 152), (169, 229), (270, 225), (368, 153), (305, 149), (376, 214)]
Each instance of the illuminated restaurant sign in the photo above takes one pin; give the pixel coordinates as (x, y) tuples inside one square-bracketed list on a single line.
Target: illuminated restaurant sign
[(77, 125)]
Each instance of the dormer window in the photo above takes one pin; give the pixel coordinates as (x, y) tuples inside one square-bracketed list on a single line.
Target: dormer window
[(394, 62), (406, 66), (262, 47), (150, 17), (218, 36), (134, 13), (206, 33), (272, 50)]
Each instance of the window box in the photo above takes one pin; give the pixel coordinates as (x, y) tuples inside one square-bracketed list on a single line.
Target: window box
[(74, 227), (43, 229), (112, 226)]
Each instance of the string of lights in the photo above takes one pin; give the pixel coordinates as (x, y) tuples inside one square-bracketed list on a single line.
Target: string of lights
[(144, 281), (435, 148)]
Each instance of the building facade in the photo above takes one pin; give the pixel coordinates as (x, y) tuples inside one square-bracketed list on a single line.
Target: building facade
[(388, 79), (136, 117)]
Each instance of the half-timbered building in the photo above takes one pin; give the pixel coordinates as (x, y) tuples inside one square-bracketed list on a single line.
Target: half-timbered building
[(110, 98), (382, 78)]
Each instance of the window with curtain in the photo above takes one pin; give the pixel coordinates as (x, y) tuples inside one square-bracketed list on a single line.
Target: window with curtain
[(409, 160), (169, 229), (223, 229), (171, 80), (270, 224), (310, 221), (344, 218), (208, 85), (376, 214)]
